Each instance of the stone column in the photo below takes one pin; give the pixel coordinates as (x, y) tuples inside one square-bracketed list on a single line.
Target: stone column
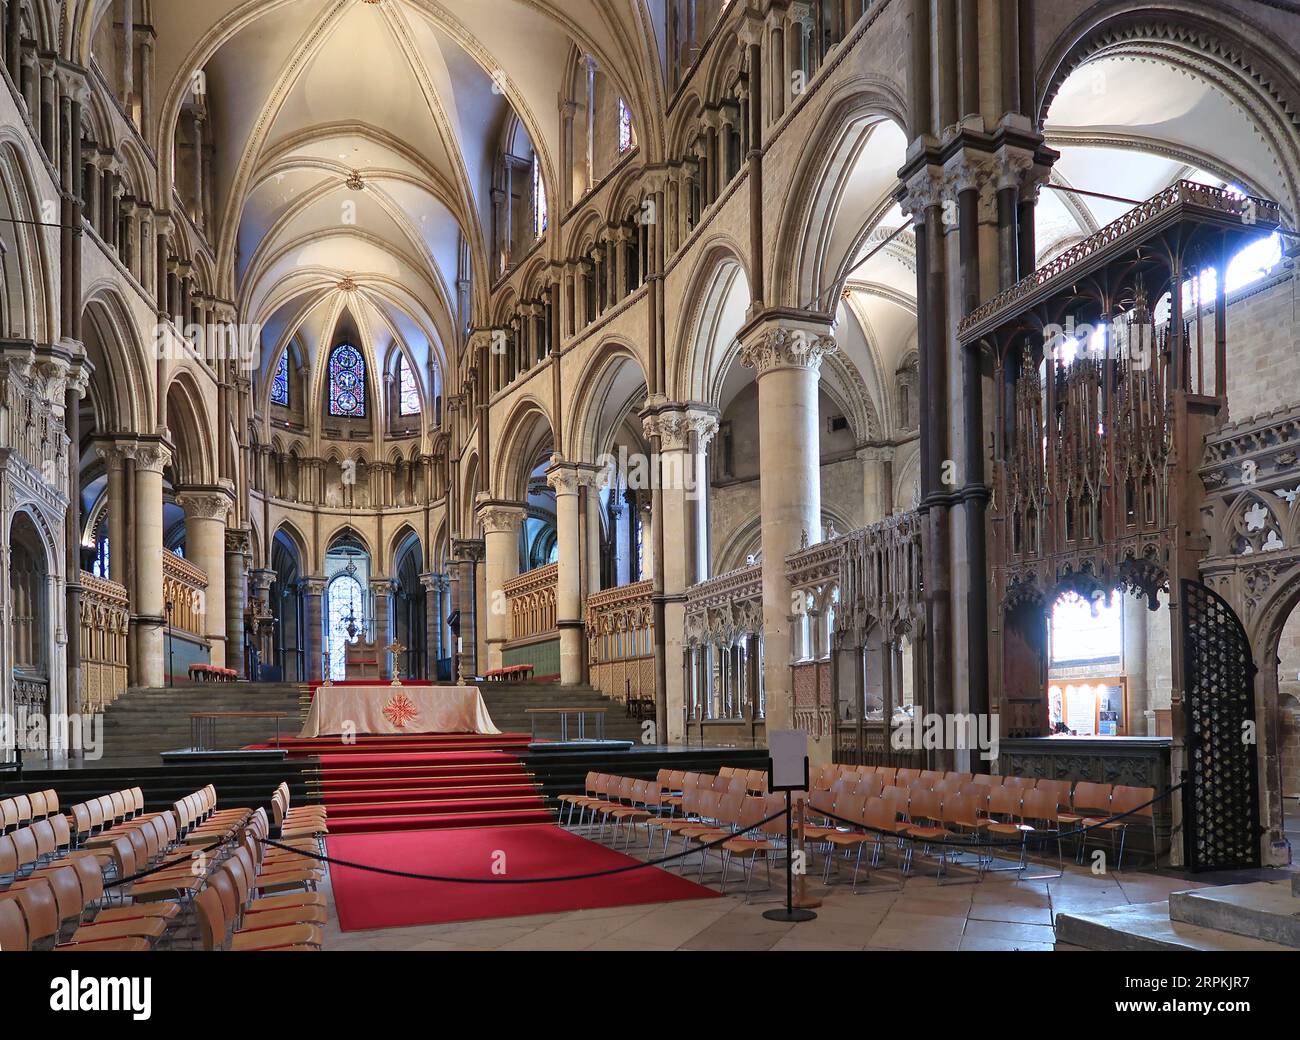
[(382, 591), (568, 478), (435, 586), (877, 483), (680, 431), (787, 353), (149, 620), (590, 511), (238, 555), (261, 579), (313, 640), (500, 522), (205, 544), (114, 457)]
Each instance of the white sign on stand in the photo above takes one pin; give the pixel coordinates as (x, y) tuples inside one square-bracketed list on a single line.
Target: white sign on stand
[(789, 751)]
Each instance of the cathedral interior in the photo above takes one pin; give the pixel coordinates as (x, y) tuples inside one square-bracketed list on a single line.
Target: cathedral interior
[(921, 377)]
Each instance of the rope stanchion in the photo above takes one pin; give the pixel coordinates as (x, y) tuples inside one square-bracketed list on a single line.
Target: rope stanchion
[(411, 876)]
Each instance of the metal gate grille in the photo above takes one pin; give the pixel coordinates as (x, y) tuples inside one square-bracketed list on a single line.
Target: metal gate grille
[(1221, 795)]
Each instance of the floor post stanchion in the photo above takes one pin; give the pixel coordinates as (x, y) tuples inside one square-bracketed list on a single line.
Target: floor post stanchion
[(789, 912)]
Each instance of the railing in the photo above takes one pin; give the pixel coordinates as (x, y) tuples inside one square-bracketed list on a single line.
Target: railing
[(620, 641), (185, 587), (105, 619), (1259, 211), (531, 597)]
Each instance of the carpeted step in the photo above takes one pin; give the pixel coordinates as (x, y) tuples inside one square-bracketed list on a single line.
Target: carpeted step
[(405, 780), (469, 770), (440, 821), (375, 796), (521, 800)]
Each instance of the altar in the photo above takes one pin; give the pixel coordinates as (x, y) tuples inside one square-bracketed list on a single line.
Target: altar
[(365, 709)]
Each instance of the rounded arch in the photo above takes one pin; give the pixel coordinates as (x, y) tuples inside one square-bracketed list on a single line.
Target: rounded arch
[(1220, 47), (191, 432), (612, 382), (27, 307), (524, 435), (121, 388), (843, 186), (706, 333), (400, 543), (288, 531)]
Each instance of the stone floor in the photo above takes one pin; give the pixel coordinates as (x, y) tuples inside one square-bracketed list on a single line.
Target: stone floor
[(996, 913)]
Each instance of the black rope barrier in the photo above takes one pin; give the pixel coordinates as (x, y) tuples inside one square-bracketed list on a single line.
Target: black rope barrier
[(166, 866), (1033, 834), (702, 847)]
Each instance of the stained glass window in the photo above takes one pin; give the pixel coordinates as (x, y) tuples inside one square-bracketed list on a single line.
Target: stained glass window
[(280, 382), (408, 388), (624, 127), (347, 382), (541, 215)]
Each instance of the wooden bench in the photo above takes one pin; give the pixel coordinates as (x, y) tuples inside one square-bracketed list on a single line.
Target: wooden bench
[(212, 673), (510, 673)]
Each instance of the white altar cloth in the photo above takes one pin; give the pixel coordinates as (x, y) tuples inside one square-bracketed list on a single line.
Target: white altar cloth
[(397, 709)]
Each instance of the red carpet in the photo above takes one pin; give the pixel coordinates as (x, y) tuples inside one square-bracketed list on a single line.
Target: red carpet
[(422, 781), (366, 900)]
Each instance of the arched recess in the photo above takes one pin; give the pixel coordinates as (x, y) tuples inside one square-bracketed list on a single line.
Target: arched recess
[(191, 433), (526, 434), (843, 189), (1224, 50), (27, 302), (290, 562), (610, 390), (408, 611), (122, 385), (707, 333)]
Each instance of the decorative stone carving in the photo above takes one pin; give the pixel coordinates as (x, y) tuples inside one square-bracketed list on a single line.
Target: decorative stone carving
[(780, 347), (674, 424)]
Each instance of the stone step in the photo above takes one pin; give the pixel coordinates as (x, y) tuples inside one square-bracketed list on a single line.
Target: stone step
[(1147, 927), (1263, 910)]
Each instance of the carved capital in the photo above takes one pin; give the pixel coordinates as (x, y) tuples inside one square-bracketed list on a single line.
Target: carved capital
[(204, 505), (925, 188), (781, 347), (564, 477), (149, 457), (499, 517), (675, 423)]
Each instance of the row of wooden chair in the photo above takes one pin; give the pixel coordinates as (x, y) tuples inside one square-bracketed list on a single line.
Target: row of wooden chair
[(243, 897), (1082, 803), (22, 810), (720, 810), (59, 901), (96, 815), (260, 900)]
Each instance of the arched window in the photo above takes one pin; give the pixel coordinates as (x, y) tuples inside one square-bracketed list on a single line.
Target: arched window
[(624, 127), (347, 382), (346, 608), (408, 388), (541, 214), (280, 381)]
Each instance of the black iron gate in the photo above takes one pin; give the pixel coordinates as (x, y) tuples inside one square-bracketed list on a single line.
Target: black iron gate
[(1221, 829)]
